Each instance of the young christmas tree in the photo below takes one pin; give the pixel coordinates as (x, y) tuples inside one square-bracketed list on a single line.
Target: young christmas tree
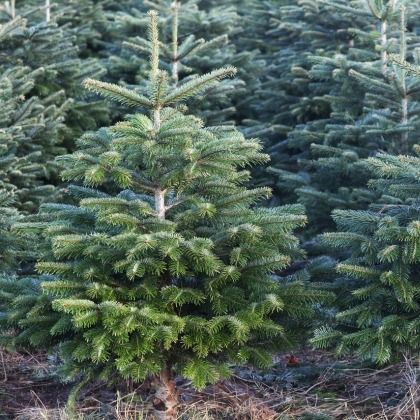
[(33, 110), (382, 318), (43, 43), (29, 128), (83, 19), (355, 102), (86, 21), (373, 107), (377, 279), (164, 267), (289, 33), (195, 39)]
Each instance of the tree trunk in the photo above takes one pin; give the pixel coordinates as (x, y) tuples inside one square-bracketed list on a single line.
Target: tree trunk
[(384, 52), (160, 203), (47, 10), (13, 8), (166, 398)]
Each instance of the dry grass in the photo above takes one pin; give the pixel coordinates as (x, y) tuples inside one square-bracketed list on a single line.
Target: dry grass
[(408, 408), (362, 394), (338, 392)]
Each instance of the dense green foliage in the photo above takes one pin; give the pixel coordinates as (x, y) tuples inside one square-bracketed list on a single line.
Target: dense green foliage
[(167, 266), (381, 320), (168, 242), (29, 134), (372, 105)]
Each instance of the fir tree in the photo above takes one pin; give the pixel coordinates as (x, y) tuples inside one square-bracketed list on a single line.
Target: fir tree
[(351, 102), (373, 107), (165, 265), (382, 317), (290, 92), (195, 40), (86, 21), (29, 128), (8, 242), (43, 43)]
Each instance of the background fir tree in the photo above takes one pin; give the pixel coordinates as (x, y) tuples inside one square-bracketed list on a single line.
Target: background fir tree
[(29, 128), (373, 107), (9, 244), (86, 20), (40, 73), (38, 61), (351, 102), (363, 118), (287, 34), (29, 142), (166, 267), (381, 320), (43, 43)]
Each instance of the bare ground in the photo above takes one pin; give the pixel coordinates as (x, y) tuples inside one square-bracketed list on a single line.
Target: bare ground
[(320, 387)]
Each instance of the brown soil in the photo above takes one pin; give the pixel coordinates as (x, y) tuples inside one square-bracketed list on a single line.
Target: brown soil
[(339, 389)]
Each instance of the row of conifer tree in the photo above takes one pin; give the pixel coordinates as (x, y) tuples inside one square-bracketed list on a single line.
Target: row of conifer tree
[(142, 234)]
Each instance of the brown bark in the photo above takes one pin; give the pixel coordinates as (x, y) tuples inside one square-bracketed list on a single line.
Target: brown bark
[(166, 398)]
